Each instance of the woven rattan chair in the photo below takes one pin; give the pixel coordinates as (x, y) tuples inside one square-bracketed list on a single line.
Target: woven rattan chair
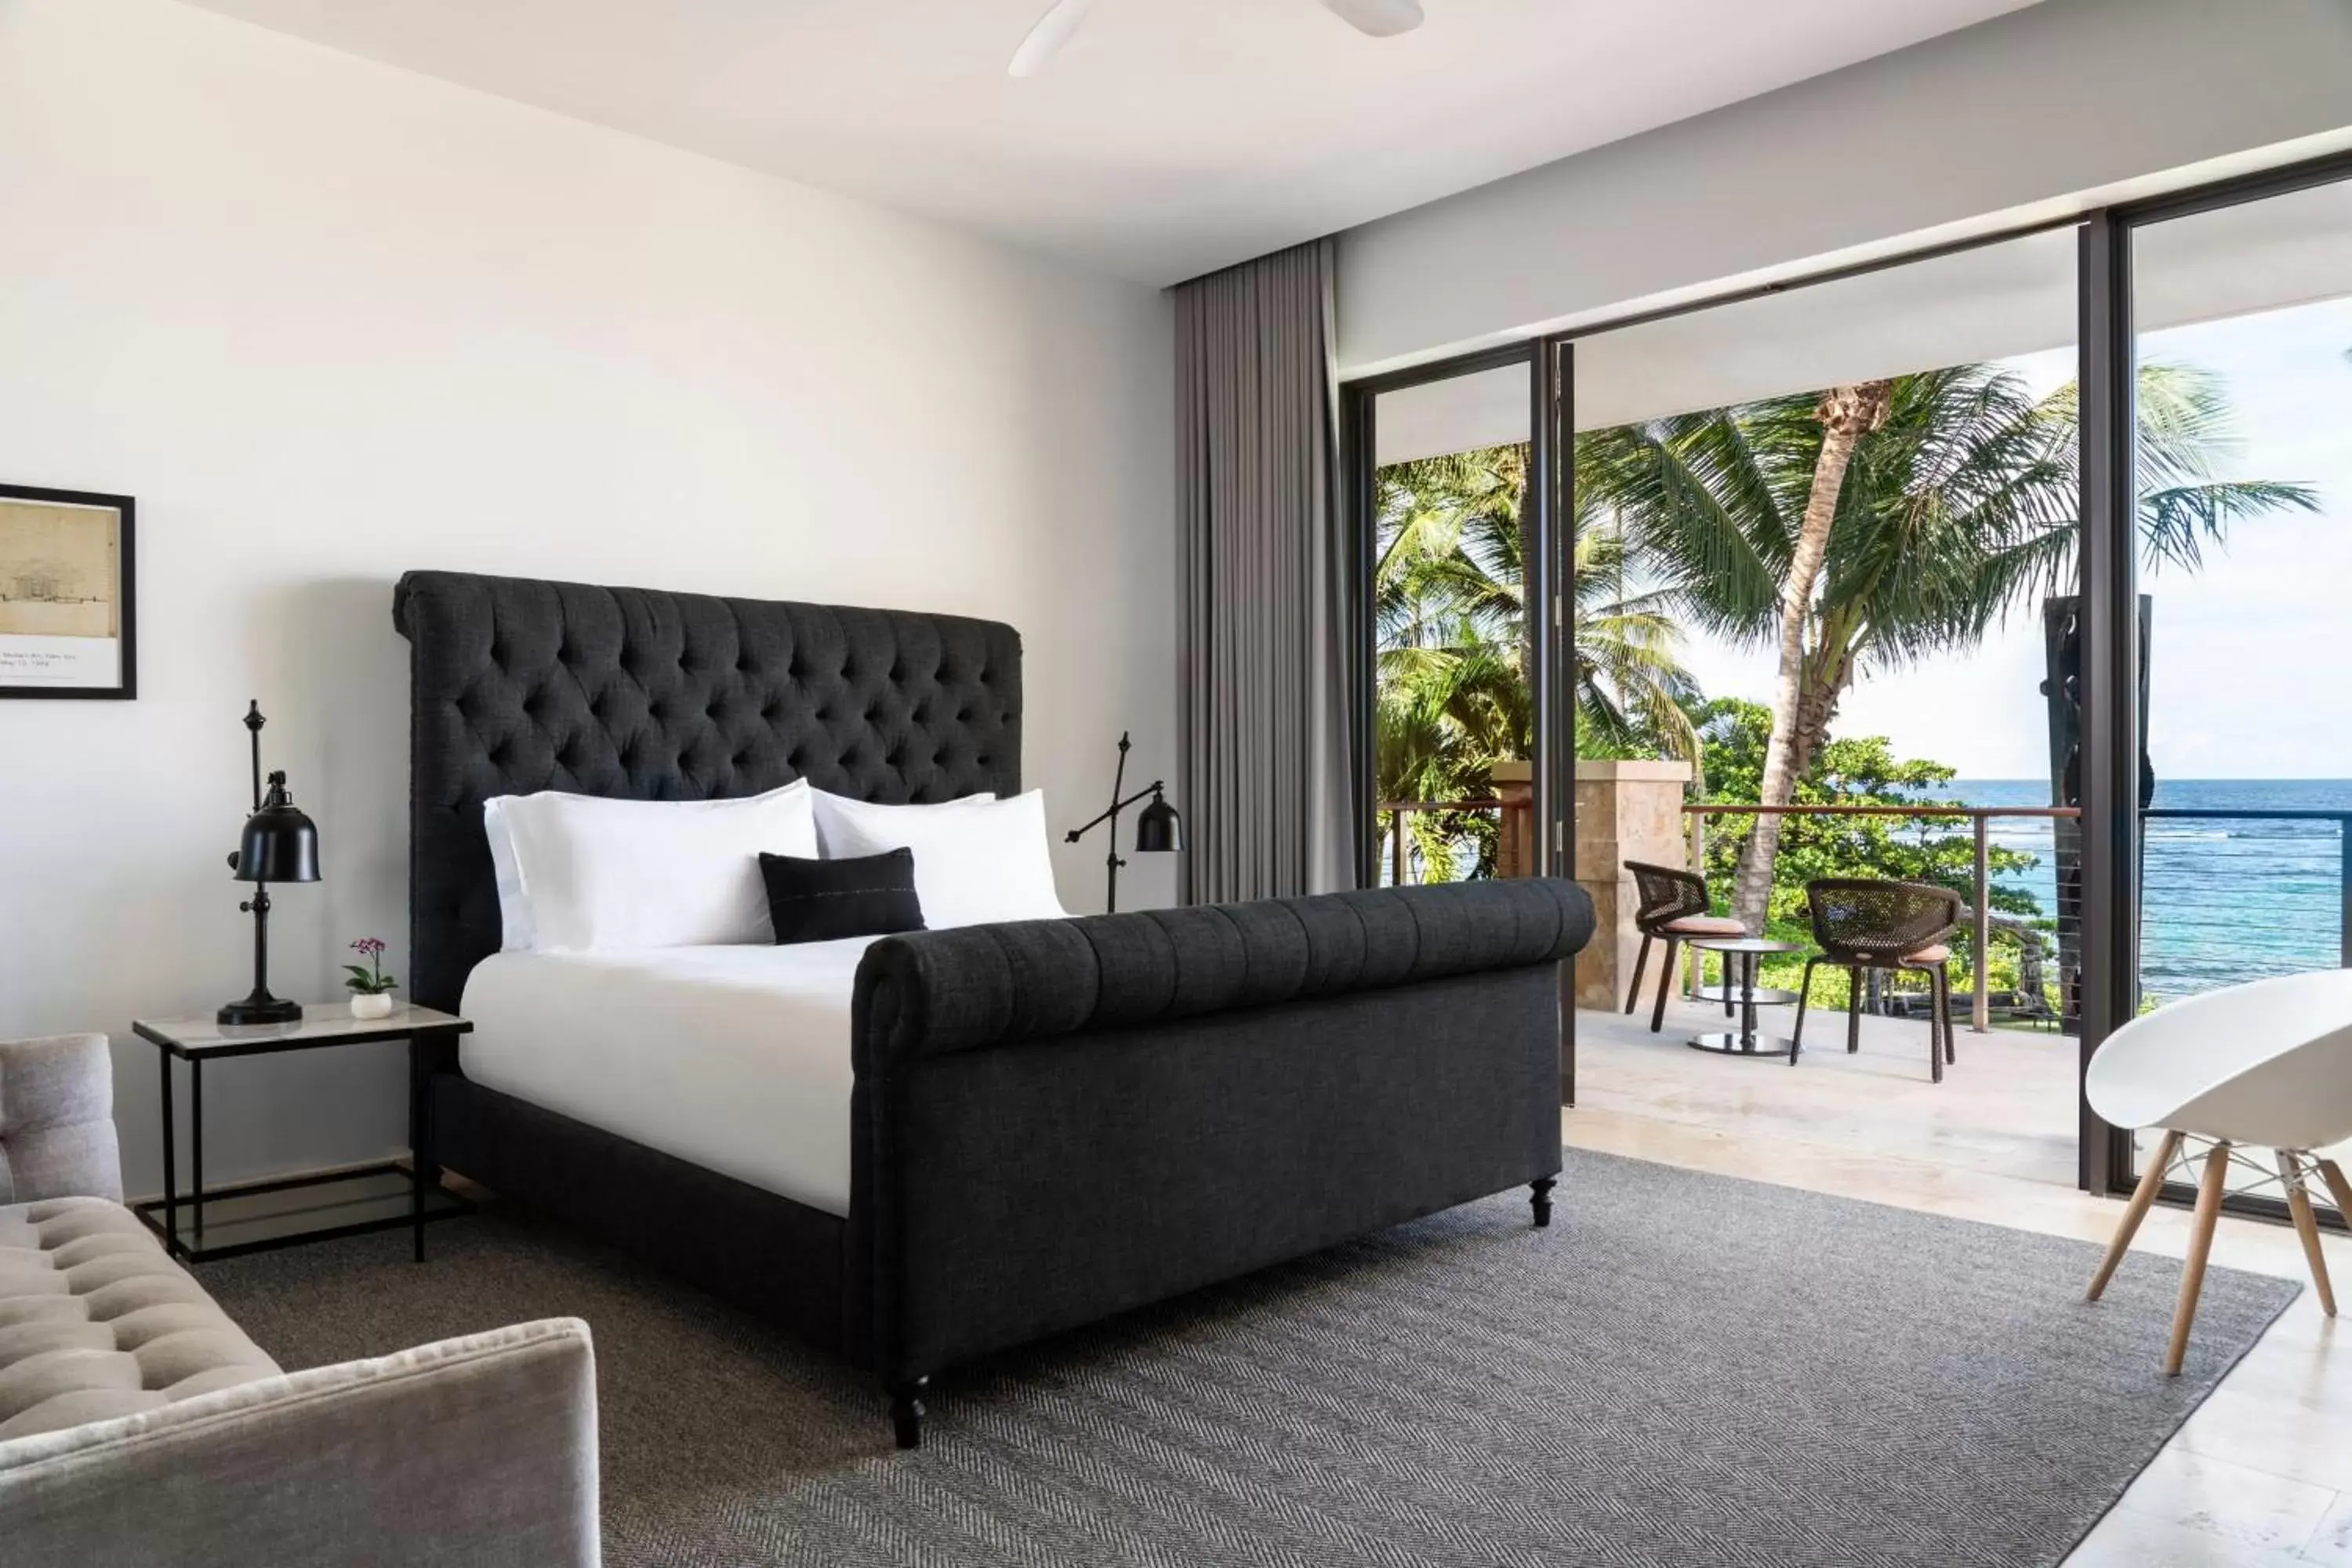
[(1863, 925), (1673, 909)]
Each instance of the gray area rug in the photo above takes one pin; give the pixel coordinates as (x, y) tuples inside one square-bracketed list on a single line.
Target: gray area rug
[(1685, 1370)]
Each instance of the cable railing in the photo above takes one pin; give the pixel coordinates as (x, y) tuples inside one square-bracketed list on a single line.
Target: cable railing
[(1978, 818), (2341, 817), (1401, 861), (1401, 866)]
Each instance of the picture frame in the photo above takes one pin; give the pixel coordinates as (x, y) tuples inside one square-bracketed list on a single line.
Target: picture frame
[(69, 602)]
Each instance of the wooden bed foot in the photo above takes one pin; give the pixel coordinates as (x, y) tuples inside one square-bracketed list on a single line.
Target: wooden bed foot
[(1540, 1196), (907, 1412)]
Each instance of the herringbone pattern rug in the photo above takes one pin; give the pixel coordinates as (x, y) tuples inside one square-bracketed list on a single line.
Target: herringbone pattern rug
[(1684, 1371)]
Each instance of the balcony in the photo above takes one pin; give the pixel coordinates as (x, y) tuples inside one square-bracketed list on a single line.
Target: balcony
[(2007, 1111)]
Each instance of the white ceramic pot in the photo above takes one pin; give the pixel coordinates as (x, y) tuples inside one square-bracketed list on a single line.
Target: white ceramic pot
[(378, 1005)]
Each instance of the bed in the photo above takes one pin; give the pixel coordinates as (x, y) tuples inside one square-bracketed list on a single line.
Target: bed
[(1016, 1129)]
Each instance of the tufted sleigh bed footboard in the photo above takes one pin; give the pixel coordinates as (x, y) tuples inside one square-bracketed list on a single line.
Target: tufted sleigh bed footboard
[(1051, 1121)]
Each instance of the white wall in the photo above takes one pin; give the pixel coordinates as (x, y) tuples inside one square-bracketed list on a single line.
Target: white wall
[(327, 320), (2037, 114)]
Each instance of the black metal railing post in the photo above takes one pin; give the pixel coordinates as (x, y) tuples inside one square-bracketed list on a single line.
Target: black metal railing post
[(2344, 897)]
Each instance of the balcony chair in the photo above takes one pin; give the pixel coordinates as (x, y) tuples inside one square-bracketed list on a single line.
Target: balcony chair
[(2266, 1064), (1862, 925), (1673, 908)]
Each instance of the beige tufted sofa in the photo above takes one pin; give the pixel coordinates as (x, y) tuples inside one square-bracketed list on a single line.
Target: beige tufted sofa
[(140, 1425)]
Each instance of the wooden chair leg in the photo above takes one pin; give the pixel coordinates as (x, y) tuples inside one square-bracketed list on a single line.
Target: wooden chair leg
[(2307, 1226), (1804, 995), (2150, 1181), (1665, 983), (2200, 1247), (1853, 1011), (1634, 991), (907, 1412), (2337, 1187)]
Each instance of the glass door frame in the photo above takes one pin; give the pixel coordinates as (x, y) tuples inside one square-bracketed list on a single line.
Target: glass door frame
[(2107, 570), (2112, 830), (1550, 610)]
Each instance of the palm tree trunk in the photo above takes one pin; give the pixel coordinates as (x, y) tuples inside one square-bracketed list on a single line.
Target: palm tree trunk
[(1829, 670), (1847, 413)]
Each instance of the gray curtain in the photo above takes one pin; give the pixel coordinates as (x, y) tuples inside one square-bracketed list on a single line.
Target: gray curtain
[(1273, 805)]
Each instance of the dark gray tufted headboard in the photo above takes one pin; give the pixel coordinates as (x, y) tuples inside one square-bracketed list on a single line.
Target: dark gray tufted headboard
[(518, 686)]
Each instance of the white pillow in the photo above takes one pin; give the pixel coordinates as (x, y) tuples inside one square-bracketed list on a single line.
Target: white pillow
[(514, 908), (975, 861), (591, 875), (835, 812)]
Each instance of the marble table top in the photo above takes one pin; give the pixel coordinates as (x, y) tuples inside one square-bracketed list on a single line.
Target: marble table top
[(322, 1023)]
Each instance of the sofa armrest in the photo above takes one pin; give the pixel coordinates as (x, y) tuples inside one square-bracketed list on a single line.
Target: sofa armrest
[(57, 1119), (930, 993), (479, 1450)]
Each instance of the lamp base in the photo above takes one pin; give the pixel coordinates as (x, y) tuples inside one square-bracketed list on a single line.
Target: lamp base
[(260, 1007)]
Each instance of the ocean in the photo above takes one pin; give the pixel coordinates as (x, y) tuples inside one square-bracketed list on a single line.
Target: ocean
[(2222, 901)]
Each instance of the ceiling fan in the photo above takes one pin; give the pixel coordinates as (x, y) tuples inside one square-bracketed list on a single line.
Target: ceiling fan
[(1380, 18)]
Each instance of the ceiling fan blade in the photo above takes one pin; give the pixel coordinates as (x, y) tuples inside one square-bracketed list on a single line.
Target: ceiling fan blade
[(1381, 19), (1046, 38)]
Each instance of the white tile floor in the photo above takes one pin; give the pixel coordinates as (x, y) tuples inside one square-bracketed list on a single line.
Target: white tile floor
[(2260, 1476)]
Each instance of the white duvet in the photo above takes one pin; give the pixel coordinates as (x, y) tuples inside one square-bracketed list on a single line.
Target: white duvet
[(736, 1059)]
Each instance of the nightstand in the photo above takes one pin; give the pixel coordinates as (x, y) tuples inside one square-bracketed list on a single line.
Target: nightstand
[(258, 1215)]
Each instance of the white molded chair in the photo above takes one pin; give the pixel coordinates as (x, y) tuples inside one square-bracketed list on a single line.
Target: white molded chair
[(2267, 1064)]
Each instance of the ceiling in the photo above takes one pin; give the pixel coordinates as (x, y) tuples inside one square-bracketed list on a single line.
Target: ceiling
[(1171, 138)]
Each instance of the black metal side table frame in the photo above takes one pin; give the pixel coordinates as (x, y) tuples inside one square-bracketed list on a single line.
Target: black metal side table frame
[(1740, 955), (197, 1041)]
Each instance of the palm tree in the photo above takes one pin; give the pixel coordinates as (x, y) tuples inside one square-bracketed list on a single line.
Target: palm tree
[(1451, 619), (1956, 507), (1846, 414)]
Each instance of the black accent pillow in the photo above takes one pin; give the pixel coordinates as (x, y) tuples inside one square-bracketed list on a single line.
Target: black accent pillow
[(826, 901)]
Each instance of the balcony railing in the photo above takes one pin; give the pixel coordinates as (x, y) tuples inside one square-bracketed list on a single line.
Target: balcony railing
[(1401, 866), (2343, 820), (1979, 818), (1401, 863)]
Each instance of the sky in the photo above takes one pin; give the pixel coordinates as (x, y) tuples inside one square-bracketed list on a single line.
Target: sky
[(2251, 664)]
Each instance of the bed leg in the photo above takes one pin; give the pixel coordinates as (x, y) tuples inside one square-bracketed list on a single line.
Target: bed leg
[(907, 1412), (1540, 1196)]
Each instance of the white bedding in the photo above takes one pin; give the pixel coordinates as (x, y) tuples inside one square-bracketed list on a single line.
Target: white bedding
[(734, 1058)]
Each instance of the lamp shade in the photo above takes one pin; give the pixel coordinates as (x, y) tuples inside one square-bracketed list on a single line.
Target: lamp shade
[(280, 843), (1157, 828)]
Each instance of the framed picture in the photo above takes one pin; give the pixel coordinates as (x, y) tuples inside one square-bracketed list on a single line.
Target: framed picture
[(66, 612)]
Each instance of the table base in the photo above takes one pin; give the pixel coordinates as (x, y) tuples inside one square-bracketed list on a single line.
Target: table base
[(1727, 1043), (259, 1216)]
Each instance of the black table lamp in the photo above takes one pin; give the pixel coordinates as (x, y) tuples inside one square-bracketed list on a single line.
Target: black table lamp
[(1158, 829), (280, 845)]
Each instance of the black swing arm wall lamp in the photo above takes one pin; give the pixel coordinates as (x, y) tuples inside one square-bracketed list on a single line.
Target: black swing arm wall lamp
[(1158, 829)]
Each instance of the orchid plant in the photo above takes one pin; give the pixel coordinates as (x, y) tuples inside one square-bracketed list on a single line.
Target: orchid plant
[(369, 979)]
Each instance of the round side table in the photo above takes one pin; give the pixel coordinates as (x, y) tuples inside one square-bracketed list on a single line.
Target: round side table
[(1742, 953)]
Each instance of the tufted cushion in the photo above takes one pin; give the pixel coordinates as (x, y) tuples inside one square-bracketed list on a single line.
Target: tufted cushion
[(57, 1118), (518, 686), (96, 1323), (930, 993)]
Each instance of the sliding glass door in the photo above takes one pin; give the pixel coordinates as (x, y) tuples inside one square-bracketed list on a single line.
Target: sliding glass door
[(2241, 485), (1456, 494), (2139, 582), (1451, 545)]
